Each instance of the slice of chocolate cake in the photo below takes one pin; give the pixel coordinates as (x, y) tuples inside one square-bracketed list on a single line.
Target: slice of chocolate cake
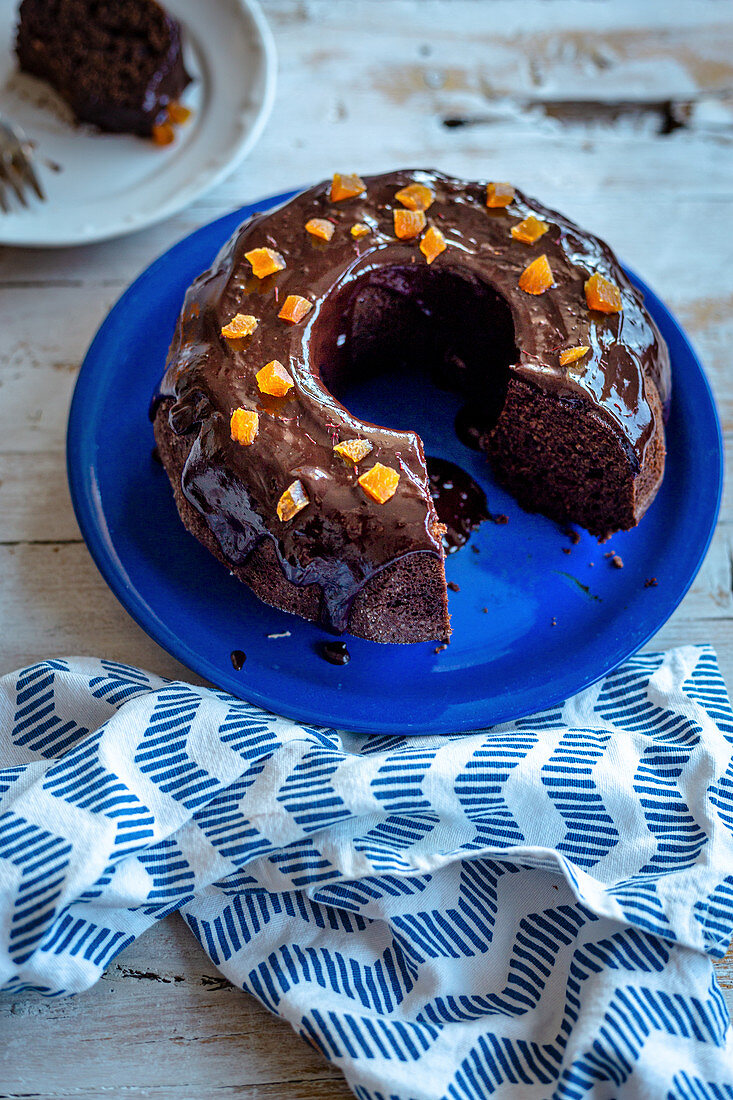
[(117, 64)]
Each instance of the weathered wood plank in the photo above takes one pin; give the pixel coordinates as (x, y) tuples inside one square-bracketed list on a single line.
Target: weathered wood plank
[(59, 604), (54, 593), (151, 1046), (35, 504), (413, 65), (176, 1026)]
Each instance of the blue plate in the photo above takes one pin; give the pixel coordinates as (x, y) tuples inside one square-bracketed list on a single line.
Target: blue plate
[(554, 622)]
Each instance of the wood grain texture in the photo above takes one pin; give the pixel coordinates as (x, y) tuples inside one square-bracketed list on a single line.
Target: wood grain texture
[(621, 115)]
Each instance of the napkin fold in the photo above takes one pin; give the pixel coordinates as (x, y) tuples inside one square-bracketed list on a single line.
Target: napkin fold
[(524, 911)]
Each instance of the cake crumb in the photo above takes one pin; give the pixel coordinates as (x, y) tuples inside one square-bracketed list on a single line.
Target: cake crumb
[(501, 518), (650, 582), (441, 647), (453, 586), (566, 550), (616, 562), (485, 610), (572, 534), (475, 549), (335, 653), (553, 621)]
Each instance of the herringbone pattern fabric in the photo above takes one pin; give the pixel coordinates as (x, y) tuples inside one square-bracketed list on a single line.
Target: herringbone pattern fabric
[(524, 911)]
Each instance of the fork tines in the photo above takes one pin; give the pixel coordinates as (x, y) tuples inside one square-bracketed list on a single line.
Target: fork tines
[(17, 172)]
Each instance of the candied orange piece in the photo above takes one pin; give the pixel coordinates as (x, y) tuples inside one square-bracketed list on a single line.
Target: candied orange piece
[(537, 276), (529, 230), (602, 294), (244, 426), (408, 223), (320, 227), (293, 500), (163, 133), (265, 261), (241, 324), (353, 450), (499, 194), (295, 308), (177, 113), (346, 187), (416, 196), (432, 244), (571, 355), (380, 482), (358, 229), (273, 379)]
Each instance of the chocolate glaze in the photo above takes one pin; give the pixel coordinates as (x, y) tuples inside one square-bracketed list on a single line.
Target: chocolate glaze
[(238, 658), (459, 501), (376, 299)]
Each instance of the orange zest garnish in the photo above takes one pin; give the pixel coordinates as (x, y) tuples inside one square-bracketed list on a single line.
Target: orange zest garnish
[(244, 425), (529, 230), (293, 500), (603, 295), (408, 224), (177, 113), (273, 379), (571, 355), (537, 277), (380, 482), (320, 227), (499, 194), (265, 261), (241, 324), (432, 244), (416, 196), (346, 187), (163, 133), (358, 229), (353, 450), (295, 308)]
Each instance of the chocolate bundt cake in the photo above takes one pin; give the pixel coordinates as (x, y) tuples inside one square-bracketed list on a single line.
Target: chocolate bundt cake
[(529, 318), (117, 64)]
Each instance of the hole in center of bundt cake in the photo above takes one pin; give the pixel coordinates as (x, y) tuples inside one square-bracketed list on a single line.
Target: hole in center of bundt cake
[(403, 327)]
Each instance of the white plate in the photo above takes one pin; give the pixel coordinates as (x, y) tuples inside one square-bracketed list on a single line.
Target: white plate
[(105, 185)]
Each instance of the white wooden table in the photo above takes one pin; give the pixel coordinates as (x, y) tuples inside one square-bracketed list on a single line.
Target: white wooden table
[(621, 115)]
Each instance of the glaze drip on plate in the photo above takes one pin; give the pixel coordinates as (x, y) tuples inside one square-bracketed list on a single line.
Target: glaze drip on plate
[(459, 501)]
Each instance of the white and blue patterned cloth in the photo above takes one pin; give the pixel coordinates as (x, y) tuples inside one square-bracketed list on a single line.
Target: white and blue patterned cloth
[(527, 911)]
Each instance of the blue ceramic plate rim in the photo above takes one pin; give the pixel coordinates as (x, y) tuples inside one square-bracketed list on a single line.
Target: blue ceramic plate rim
[(274, 691)]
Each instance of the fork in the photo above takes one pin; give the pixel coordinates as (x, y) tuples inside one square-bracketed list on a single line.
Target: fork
[(16, 165)]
